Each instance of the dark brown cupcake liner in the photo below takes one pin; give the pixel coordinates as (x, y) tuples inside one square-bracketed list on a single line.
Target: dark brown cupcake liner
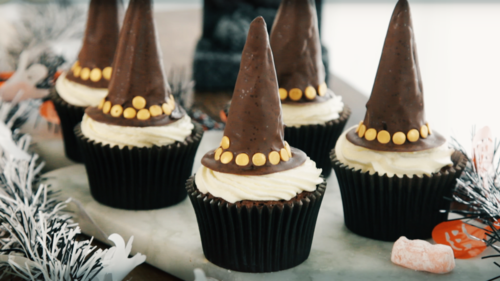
[(318, 140), (139, 178), (69, 115), (386, 208), (253, 236)]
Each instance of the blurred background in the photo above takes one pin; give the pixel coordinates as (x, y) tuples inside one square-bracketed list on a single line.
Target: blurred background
[(458, 47)]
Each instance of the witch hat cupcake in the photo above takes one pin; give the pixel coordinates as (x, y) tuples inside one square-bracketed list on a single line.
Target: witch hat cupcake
[(313, 115), (394, 172), (87, 81), (138, 144), (255, 176)]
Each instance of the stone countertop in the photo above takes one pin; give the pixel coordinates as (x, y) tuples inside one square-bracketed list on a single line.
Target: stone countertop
[(170, 239)]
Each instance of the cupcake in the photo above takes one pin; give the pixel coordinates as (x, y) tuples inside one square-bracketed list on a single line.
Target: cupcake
[(256, 198), (138, 145), (394, 172), (313, 115), (86, 84)]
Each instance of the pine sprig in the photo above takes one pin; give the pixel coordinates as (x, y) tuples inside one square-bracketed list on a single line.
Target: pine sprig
[(480, 192), (38, 240)]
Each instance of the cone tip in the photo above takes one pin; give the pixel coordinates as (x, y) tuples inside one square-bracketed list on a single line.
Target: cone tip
[(258, 21)]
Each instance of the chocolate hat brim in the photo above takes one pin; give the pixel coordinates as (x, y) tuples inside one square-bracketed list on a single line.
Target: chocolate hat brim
[(298, 158), (432, 141)]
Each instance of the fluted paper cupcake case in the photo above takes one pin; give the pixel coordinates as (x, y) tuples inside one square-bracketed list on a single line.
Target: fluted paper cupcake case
[(318, 140), (69, 115), (139, 178), (252, 236), (386, 208)]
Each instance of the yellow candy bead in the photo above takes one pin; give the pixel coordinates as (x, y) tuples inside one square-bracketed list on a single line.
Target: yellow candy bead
[(361, 131), (166, 109), (77, 71), (259, 159), (322, 89), (225, 143), (413, 135), (310, 92), (101, 104), (129, 113), (283, 94), (218, 152), (383, 137), (226, 157), (143, 114), (95, 75), (155, 110), (429, 128), (77, 63), (107, 107), (371, 134), (399, 138), (171, 103), (295, 94), (284, 155), (424, 131), (139, 102), (106, 72), (274, 157), (359, 125), (85, 74), (116, 110), (288, 150), (242, 159)]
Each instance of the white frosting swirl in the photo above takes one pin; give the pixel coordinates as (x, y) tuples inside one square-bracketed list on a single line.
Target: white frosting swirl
[(78, 94), (417, 163), (136, 136), (296, 115), (277, 186)]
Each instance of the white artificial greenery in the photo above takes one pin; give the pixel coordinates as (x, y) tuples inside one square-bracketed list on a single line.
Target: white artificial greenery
[(479, 191), (38, 240)]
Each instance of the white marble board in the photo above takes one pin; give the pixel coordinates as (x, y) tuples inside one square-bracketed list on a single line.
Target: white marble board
[(170, 239)]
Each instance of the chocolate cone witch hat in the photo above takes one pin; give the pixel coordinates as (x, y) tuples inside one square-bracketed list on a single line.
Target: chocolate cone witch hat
[(395, 119), (139, 94), (297, 53), (93, 67), (253, 138)]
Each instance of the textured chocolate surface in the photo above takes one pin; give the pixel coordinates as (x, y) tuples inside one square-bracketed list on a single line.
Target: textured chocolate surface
[(100, 40), (396, 103), (255, 123), (138, 70), (297, 48)]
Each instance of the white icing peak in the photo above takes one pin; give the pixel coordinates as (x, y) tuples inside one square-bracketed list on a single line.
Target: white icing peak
[(137, 136), (418, 163), (78, 94), (277, 186), (296, 115)]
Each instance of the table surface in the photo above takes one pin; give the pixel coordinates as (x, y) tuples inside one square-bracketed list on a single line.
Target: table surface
[(170, 239)]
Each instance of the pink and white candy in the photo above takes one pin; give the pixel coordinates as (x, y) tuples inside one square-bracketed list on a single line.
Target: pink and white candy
[(422, 256)]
